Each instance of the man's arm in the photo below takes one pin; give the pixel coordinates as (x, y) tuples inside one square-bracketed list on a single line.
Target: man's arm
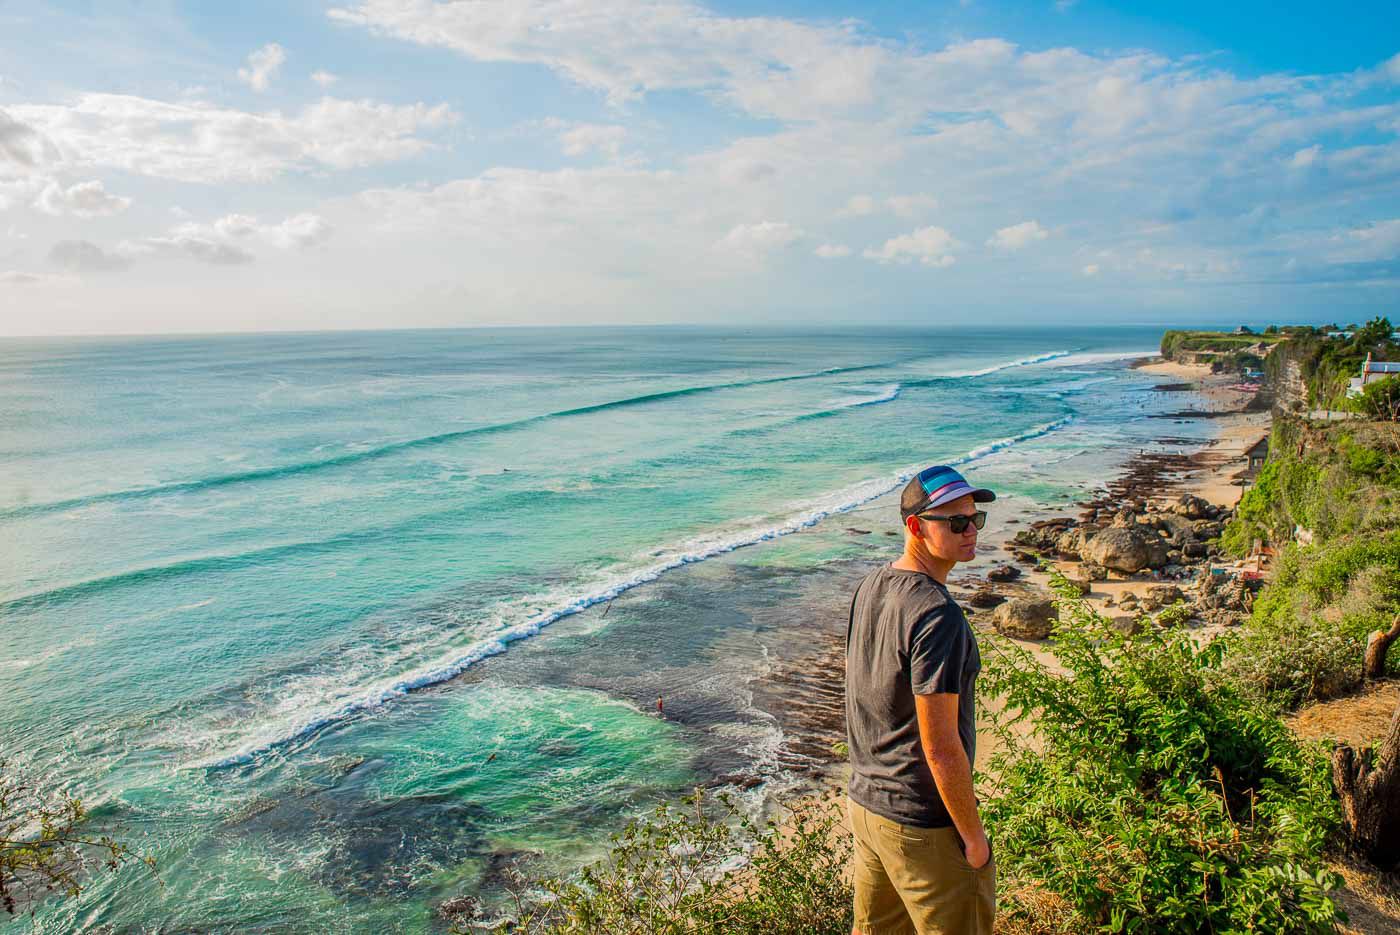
[(947, 760)]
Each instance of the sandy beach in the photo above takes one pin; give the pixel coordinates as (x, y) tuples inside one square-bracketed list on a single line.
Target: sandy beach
[(814, 722)]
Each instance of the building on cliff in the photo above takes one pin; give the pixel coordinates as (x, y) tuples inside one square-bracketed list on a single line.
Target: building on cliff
[(1371, 371)]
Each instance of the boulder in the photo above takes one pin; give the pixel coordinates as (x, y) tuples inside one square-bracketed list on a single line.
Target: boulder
[(1026, 618), (1126, 549), (1125, 623), (1069, 543), (1192, 506), (985, 597), (1178, 528), (1196, 550), (1004, 573), (1093, 571), (1162, 595), (1082, 585), (1207, 529)]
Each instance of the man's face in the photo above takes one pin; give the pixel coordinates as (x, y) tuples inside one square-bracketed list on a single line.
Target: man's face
[(939, 539)]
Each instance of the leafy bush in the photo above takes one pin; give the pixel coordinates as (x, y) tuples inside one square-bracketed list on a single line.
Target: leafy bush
[(1307, 631), (703, 869), (1151, 794), (46, 844), (1380, 399)]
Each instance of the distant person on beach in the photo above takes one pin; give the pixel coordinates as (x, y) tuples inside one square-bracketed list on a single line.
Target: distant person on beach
[(922, 863)]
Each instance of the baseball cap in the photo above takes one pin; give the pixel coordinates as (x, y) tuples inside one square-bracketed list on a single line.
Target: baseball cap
[(937, 485)]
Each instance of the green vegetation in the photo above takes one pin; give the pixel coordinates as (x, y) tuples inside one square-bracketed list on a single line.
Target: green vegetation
[(46, 846), (1327, 364), (1308, 628), (1227, 352), (1380, 399), (701, 868), (1152, 794)]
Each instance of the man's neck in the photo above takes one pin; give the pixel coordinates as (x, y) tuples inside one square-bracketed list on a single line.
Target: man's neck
[(918, 559)]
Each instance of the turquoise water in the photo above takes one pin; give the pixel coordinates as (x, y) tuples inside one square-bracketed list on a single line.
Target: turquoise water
[(309, 615)]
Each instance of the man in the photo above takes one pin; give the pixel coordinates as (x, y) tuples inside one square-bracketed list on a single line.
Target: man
[(922, 864)]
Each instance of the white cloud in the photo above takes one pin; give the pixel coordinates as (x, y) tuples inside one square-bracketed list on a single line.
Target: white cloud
[(20, 191), (908, 206), (626, 48), (81, 256), (1305, 157), (1391, 68), (761, 238), (14, 277), (859, 206), (1018, 235), (299, 231), (1374, 242), (224, 242), (583, 138), (200, 143), (22, 147), (263, 65), (324, 78), (904, 206), (931, 246), (832, 251), (192, 244), (84, 200)]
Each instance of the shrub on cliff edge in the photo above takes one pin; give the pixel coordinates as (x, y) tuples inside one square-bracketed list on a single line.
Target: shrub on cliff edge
[(1153, 795)]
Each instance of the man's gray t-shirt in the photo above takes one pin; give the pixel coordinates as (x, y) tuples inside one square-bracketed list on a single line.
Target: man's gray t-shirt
[(906, 636)]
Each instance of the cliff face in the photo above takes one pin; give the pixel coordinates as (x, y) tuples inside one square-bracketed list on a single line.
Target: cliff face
[(1286, 384)]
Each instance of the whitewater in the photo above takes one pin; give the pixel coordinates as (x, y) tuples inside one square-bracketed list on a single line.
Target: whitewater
[(340, 619)]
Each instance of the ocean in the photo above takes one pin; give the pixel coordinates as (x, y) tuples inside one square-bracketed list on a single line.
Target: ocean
[(336, 626)]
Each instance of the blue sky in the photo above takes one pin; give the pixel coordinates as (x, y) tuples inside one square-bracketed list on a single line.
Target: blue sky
[(412, 163)]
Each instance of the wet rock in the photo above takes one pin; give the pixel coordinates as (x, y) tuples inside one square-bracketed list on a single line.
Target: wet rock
[(460, 909), (1196, 550), (985, 597), (1026, 618), (1004, 573)]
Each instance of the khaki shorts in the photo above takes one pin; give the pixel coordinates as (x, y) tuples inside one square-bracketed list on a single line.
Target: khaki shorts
[(915, 881)]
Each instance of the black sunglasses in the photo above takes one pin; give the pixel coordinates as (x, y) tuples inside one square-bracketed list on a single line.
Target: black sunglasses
[(957, 523)]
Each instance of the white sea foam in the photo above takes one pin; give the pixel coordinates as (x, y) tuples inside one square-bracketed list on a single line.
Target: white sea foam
[(1104, 357), (1007, 365), (888, 395), (289, 725)]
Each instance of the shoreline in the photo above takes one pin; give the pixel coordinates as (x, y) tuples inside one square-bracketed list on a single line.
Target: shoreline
[(1207, 470)]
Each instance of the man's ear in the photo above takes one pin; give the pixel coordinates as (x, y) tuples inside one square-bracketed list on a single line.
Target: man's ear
[(911, 523)]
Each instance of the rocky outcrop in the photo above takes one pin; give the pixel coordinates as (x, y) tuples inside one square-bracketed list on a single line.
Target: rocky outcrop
[(1125, 549), (1026, 618), (1162, 595), (1004, 573), (985, 598)]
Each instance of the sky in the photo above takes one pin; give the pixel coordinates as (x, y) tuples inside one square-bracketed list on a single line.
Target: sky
[(301, 165)]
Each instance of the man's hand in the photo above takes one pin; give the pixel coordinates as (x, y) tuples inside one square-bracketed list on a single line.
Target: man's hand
[(978, 852), (938, 731)]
